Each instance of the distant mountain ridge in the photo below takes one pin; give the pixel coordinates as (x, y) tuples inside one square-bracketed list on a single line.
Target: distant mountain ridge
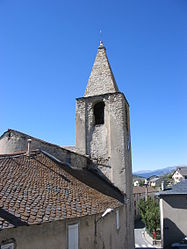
[(157, 172)]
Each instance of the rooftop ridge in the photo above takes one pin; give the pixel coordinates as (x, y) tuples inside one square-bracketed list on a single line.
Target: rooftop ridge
[(43, 141)]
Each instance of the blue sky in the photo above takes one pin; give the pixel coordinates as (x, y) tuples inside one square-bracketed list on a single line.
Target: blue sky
[(47, 49)]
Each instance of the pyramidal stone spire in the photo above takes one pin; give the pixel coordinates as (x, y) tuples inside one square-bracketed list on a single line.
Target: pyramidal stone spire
[(101, 80)]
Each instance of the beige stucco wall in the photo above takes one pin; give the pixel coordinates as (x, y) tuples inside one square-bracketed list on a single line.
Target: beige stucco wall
[(173, 218), (54, 235)]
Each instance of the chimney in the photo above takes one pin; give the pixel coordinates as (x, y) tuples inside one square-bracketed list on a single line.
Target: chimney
[(163, 185), (29, 146)]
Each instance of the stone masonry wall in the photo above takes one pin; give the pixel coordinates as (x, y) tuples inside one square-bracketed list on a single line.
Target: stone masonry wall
[(101, 80), (13, 141), (109, 145)]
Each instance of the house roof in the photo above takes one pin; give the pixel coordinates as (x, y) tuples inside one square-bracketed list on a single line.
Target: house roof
[(141, 190), (182, 171), (38, 189), (155, 179), (177, 189)]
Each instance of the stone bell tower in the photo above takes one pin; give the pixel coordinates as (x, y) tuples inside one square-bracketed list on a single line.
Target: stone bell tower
[(102, 124)]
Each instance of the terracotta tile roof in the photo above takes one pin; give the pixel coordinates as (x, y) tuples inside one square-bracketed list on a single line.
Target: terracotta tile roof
[(37, 189), (140, 190), (5, 224)]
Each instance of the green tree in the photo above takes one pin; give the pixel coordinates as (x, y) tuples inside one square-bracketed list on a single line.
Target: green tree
[(170, 176), (141, 183), (150, 214)]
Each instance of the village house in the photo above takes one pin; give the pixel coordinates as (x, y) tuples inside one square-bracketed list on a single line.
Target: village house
[(154, 181), (138, 181), (173, 213), (179, 174), (72, 197)]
